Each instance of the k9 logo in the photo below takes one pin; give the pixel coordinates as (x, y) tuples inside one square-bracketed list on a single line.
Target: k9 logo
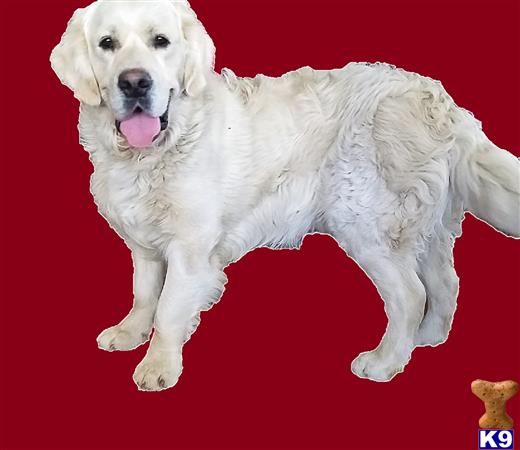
[(495, 439)]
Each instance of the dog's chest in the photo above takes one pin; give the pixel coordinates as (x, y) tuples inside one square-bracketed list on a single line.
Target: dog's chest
[(134, 200)]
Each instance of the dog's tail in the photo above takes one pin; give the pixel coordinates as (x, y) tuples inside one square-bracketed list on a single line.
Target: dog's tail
[(488, 180)]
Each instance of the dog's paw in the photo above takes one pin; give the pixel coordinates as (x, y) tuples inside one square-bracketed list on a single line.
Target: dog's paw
[(119, 338), (369, 365), (429, 340), (432, 332), (158, 371)]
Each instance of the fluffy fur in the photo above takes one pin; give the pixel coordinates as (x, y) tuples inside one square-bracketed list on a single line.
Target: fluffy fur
[(381, 159)]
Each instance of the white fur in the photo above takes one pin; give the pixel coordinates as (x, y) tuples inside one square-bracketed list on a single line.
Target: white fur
[(380, 159)]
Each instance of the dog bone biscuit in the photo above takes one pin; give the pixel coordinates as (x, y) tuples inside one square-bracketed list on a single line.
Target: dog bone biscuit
[(495, 396)]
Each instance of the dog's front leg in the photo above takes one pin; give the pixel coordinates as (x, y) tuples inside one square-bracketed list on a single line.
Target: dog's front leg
[(192, 284), (136, 327)]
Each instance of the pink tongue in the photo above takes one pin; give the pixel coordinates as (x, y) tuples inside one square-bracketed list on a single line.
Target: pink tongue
[(140, 129)]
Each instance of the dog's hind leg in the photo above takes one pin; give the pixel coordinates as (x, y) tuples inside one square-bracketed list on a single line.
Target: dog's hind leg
[(136, 327), (440, 280), (404, 296)]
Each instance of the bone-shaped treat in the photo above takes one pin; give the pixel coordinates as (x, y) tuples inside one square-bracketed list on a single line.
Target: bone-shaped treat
[(495, 396)]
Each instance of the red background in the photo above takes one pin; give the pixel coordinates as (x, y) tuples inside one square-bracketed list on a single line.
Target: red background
[(269, 366)]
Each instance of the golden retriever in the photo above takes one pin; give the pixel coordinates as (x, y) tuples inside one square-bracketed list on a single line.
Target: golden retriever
[(193, 169)]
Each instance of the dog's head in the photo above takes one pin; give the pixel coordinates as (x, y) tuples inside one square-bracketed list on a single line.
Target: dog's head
[(133, 57)]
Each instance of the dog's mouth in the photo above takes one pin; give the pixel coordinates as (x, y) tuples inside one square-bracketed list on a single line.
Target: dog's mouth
[(140, 129)]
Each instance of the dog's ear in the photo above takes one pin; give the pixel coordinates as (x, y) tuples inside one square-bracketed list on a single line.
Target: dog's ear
[(200, 57), (70, 60)]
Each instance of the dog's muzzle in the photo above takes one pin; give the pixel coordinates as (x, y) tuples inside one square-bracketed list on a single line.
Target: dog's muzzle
[(140, 128)]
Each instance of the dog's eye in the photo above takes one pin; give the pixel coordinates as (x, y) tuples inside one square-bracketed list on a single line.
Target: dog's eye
[(107, 43), (160, 41)]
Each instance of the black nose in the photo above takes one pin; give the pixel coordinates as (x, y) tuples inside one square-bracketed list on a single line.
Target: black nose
[(134, 83)]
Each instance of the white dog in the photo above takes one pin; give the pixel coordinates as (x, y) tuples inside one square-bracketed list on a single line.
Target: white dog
[(193, 169)]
